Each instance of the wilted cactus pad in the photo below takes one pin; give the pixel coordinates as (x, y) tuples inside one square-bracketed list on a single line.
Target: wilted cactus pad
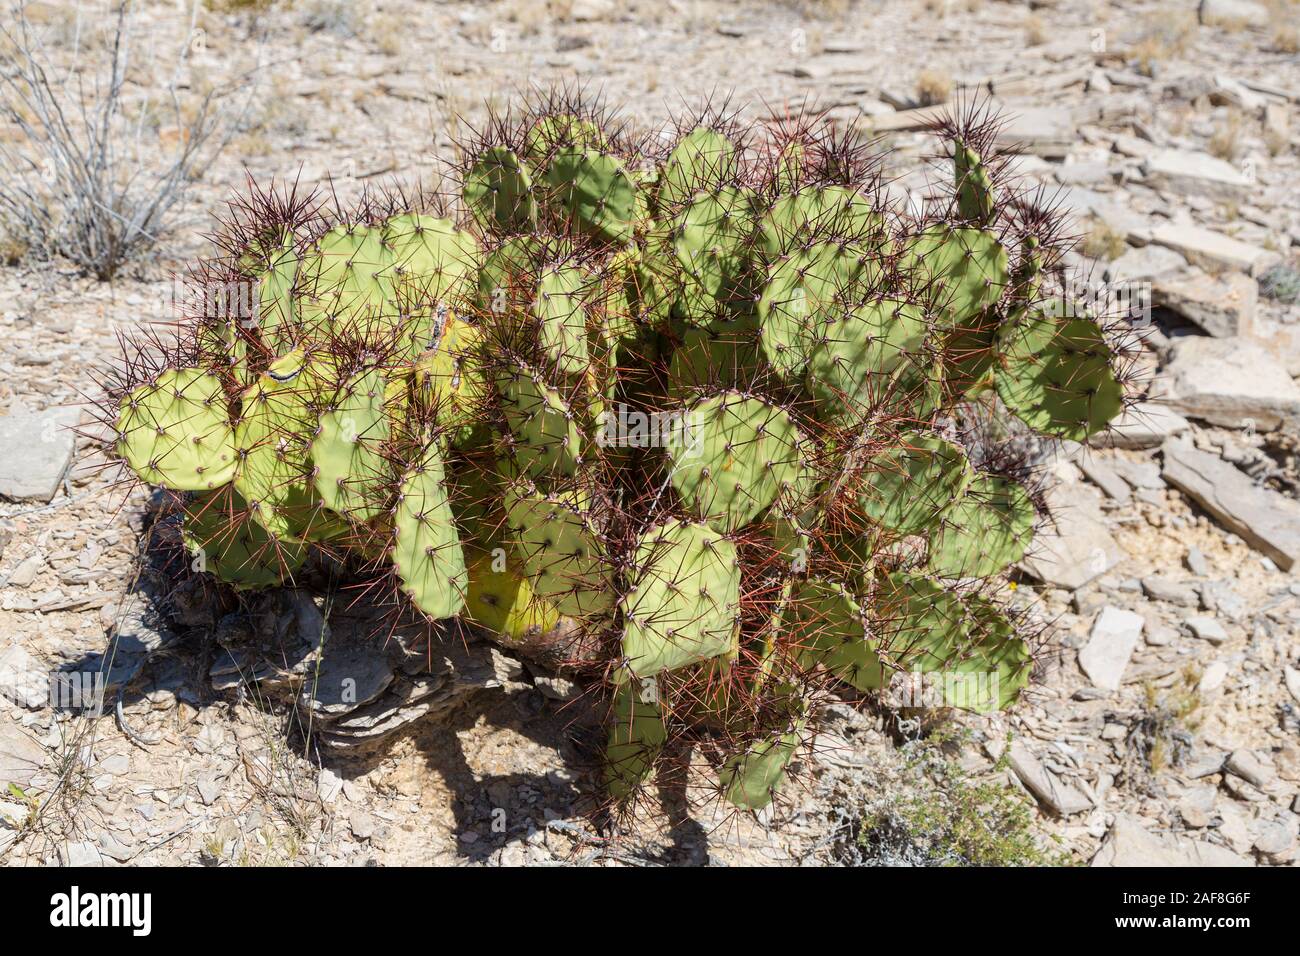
[(715, 406)]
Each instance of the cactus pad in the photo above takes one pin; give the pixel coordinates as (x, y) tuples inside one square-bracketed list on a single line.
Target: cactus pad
[(962, 270), (347, 450), (560, 552), (499, 192), (867, 357), (910, 485), (223, 538), (427, 553), (636, 736), (175, 432), (547, 441), (683, 604), (273, 473), (740, 454), (829, 623), (595, 192), (503, 601), (1057, 376), (985, 530)]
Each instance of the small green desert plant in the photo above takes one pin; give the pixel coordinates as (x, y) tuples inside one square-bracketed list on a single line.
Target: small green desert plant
[(949, 818), (678, 411), (1163, 736)]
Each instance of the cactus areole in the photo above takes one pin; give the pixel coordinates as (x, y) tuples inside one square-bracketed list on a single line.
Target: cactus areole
[(698, 399)]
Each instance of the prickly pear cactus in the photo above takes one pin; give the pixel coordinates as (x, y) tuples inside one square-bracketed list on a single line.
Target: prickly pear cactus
[(704, 399)]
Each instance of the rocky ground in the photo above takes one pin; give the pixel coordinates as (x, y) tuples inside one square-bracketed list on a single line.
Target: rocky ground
[(1166, 728)]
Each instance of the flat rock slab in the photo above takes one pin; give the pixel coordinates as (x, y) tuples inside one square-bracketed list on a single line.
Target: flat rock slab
[(1054, 794), (352, 673), (1142, 426), (1266, 520), (38, 449), (1206, 247), (21, 755), (1105, 657), (1189, 172), (1223, 306), (1129, 843), (1230, 382), (1144, 262), (22, 680), (1076, 546)]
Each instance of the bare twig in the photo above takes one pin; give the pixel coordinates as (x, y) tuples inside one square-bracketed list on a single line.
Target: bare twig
[(79, 181)]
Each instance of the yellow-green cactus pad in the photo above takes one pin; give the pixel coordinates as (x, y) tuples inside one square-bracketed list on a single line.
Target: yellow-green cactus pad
[(427, 553), (738, 455), (176, 431), (684, 600)]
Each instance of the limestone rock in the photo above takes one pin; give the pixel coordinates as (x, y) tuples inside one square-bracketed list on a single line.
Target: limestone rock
[(1114, 635), (1230, 382), (38, 449), (1130, 844), (1264, 519)]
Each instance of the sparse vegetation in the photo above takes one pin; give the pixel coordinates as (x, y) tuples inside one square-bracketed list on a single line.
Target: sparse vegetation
[(1168, 36), (1103, 243), (949, 818), (1281, 283), (94, 174), (933, 87), (1162, 736), (1226, 141)]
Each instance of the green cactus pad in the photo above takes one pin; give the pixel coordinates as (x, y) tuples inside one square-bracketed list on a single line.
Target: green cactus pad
[(550, 133), (711, 242), (975, 197), (176, 431), (837, 214), (560, 552), (347, 282), (909, 611), (751, 778), (724, 353), (657, 280), (449, 379), (547, 440), (223, 539), (740, 454), (962, 270), (277, 418), (636, 737), (984, 531), (984, 666), (826, 622), (594, 192), (1057, 375), (504, 602), (868, 356), (504, 264), (561, 311), (427, 553), (351, 472), (276, 277), (498, 190), (433, 272), (908, 487), (803, 292), (702, 160), (684, 600)]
